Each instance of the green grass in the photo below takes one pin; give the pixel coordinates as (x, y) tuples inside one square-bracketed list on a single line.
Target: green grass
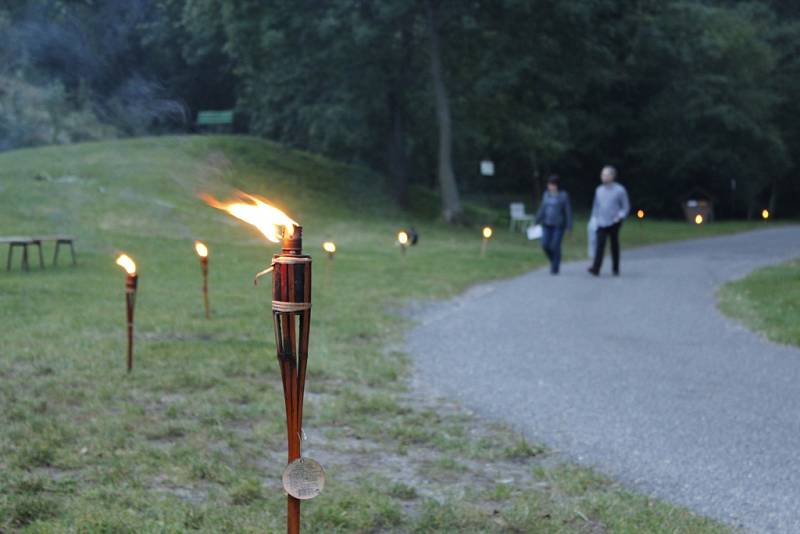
[(194, 438), (768, 301)]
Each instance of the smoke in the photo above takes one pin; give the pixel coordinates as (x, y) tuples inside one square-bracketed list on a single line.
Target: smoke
[(86, 67)]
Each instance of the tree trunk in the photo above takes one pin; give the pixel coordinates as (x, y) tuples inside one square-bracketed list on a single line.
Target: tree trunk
[(451, 204), (398, 158), (397, 77), (773, 197)]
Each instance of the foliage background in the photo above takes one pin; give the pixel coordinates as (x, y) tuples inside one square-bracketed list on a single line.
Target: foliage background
[(686, 97)]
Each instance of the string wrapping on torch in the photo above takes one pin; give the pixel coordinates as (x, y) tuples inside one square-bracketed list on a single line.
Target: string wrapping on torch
[(290, 307), (287, 260)]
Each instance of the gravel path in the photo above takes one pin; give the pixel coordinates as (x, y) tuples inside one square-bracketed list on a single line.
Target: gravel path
[(639, 376)]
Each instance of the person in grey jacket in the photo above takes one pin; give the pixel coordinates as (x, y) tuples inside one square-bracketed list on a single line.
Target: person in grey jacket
[(611, 206), (555, 216)]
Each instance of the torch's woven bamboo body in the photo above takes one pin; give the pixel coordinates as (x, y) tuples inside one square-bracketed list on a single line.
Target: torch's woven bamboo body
[(291, 311), (131, 284), (204, 267)]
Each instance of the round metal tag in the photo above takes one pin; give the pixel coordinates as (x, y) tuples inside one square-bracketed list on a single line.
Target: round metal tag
[(304, 479)]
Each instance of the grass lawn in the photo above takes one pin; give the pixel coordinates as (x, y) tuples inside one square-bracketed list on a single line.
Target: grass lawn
[(768, 301), (194, 438)]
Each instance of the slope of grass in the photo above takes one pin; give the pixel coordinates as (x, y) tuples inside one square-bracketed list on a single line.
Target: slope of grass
[(194, 438), (768, 301)]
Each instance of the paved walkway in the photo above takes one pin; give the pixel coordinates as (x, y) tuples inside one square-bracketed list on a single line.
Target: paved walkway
[(639, 376)]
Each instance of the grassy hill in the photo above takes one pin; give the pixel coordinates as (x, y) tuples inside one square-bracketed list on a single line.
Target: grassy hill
[(194, 438)]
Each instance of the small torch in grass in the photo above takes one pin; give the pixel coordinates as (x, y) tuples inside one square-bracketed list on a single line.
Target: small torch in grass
[(765, 214), (330, 249), (487, 235), (402, 240), (202, 251), (131, 283), (291, 314)]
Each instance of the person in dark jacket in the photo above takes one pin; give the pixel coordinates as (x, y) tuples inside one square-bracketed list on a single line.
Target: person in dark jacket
[(555, 216)]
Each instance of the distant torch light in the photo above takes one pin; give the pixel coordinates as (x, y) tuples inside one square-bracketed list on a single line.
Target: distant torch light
[(765, 214), (330, 248), (640, 214), (202, 251), (402, 240), (131, 284), (698, 219), (487, 235)]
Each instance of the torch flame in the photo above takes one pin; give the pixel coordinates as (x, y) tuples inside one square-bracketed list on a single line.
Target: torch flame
[(201, 249), (329, 247), (487, 232), (765, 214), (698, 219), (127, 263), (402, 237), (255, 211)]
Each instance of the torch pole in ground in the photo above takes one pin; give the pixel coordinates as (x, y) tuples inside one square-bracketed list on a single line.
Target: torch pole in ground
[(204, 267), (484, 242), (291, 313), (130, 302)]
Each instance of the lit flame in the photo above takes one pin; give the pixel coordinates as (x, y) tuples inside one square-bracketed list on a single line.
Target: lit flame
[(698, 219), (201, 249), (487, 232), (329, 247), (127, 263), (765, 214), (402, 237), (640, 214), (253, 210)]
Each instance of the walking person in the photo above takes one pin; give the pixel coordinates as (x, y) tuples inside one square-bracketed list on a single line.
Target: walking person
[(610, 207), (555, 216)]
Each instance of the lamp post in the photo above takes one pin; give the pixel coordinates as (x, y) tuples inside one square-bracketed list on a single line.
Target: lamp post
[(131, 285), (291, 316)]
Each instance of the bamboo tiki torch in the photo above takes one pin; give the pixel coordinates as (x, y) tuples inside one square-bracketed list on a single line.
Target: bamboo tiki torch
[(202, 251), (487, 235), (131, 283), (291, 315), (330, 249)]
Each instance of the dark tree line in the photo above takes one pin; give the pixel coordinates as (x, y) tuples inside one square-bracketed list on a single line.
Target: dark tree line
[(686, 97)]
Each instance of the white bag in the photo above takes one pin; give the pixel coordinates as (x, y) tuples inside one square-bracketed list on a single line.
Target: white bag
[(591, 237), (534, 232)]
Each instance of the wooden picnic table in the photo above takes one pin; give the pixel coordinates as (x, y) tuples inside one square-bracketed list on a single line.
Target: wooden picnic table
[(25, 241)]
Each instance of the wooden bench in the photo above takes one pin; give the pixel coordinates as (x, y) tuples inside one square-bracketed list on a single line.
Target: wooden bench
[(215, 119), (36, 241)]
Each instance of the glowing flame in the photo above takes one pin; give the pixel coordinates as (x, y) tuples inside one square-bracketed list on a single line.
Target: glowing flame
[(698, 219), (127, 263), (201, 249), (640, 214), (765, 214), (487, 232), (329, 247), (253, 210), (402, 237)]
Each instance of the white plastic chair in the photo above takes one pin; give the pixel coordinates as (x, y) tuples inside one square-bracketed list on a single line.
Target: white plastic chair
[(519, 219)]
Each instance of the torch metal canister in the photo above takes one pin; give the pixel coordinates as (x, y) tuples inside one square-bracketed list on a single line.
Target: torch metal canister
[(291, 312), (131, 283)]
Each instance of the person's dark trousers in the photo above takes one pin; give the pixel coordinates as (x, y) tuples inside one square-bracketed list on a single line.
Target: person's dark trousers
[(551, 244), (603, 233)]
